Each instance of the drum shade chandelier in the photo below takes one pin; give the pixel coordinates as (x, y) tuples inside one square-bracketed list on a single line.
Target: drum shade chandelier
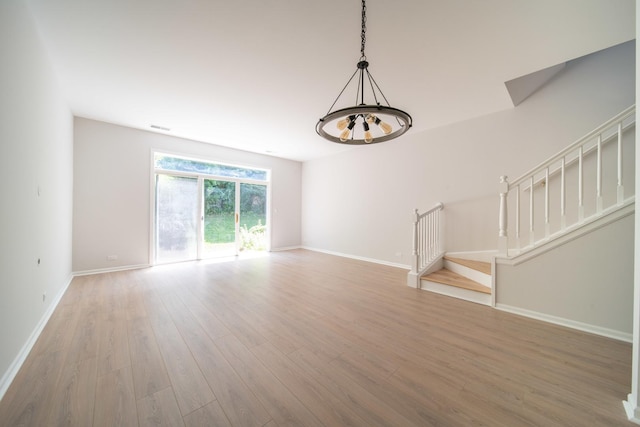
[(363, 123)]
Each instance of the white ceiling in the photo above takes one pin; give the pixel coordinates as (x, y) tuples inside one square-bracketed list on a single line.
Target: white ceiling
[(258, 74)]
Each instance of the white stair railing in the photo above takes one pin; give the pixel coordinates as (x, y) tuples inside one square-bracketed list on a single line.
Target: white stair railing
[(427, 242), (561, 183)]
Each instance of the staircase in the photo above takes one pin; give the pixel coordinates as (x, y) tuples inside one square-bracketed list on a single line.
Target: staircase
[(576, 190), (461, 278)]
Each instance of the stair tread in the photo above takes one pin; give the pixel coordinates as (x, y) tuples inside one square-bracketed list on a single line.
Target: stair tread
[(483, 267), (448, 277)]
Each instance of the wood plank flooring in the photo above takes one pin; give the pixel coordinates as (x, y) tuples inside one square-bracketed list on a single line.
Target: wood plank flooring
[(299, 338)]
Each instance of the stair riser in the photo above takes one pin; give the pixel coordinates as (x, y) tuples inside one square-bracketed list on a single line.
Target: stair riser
[(475, 275), (452, 291)]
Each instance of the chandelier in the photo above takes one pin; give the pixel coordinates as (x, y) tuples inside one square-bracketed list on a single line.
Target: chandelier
[(363, 123)]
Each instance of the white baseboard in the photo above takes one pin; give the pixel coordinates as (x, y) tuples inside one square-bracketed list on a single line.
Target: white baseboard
[(633, 412), (413, 280), (17, 363), (285, 248), (110, 270), (359, 258), (585, 327)]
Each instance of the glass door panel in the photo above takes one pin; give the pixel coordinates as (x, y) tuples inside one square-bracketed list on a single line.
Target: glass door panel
[(253, 217), (176, 218), (219, 218)]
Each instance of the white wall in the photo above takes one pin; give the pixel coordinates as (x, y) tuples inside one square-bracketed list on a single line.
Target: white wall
[(112, 185), (35, 152), (359, 203), (556, 285)]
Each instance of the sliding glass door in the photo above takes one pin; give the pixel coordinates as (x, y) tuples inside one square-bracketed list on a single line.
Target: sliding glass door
[(177, 218), (207, 210), (253, 217), (220, 227)]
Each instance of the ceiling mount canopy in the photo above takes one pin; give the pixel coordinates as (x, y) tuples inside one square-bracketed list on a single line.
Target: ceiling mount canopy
[(364, 123)]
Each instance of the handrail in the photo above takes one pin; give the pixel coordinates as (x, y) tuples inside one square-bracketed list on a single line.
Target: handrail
[(437, 207), (572, 157), (588, 137), (558, 164), (427, 242)]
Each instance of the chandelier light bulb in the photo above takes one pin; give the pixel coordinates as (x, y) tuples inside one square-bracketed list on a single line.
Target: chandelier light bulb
[(368, 138), (344, 122), (344, 136), (384, 126)]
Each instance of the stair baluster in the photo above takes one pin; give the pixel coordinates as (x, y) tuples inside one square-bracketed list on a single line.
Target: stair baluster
[(574, 158), (427, 242)]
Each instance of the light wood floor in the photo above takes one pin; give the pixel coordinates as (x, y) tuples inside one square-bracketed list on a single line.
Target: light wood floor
[(300, 338)]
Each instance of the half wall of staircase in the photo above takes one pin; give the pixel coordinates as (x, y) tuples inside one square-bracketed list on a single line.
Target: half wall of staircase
[(583, 280)]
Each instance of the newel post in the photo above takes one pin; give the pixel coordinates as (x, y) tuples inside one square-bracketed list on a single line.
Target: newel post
[(414, 263), (503, 240), (412, 279)]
